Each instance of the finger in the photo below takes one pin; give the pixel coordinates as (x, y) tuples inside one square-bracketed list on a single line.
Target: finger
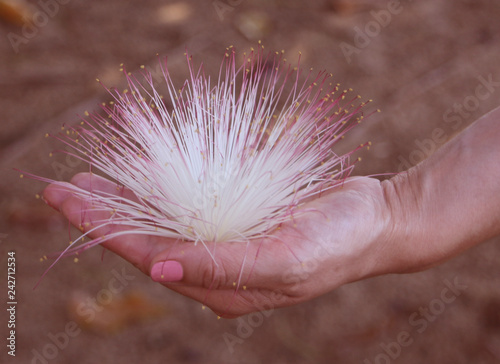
[(87, 213), (93, 182), (219, 266), (98, 223), (237, 300), (56, 193)]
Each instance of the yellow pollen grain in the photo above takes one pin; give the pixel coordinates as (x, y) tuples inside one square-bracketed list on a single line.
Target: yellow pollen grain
[(75, 260)]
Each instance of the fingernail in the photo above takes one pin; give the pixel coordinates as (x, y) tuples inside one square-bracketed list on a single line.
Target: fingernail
[(168, 271)]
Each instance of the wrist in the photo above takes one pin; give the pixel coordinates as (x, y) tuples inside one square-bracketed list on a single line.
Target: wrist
[(449, 202), (408, 233)]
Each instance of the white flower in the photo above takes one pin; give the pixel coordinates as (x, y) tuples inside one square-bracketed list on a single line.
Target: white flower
[(220, 161)]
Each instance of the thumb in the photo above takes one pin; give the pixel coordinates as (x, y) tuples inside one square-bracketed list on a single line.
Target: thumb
[(207, 265), (257, 263), (230, 278)]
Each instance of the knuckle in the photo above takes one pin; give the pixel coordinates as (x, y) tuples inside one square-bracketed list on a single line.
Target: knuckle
[(214, 275)]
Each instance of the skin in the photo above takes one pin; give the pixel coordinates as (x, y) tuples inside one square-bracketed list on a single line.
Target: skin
[(418, 219)]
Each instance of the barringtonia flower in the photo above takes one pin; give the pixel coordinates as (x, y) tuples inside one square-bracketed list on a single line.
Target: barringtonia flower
[(225, 159)]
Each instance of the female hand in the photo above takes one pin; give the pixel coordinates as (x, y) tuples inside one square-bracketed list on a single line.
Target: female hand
[(342, 237), (437, 209)]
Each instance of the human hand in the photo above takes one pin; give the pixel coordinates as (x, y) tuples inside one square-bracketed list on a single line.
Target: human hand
[(341, 237), (362, 229)]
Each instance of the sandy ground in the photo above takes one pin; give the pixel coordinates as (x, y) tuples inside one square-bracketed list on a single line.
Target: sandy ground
[(416, 65)]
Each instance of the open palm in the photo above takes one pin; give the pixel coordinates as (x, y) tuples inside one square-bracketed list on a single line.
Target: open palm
[(338, 238)]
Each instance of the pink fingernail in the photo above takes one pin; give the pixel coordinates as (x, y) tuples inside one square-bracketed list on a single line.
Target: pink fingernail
[(168, 271)]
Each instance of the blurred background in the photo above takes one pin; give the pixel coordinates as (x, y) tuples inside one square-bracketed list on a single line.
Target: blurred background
[(420, 61)]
